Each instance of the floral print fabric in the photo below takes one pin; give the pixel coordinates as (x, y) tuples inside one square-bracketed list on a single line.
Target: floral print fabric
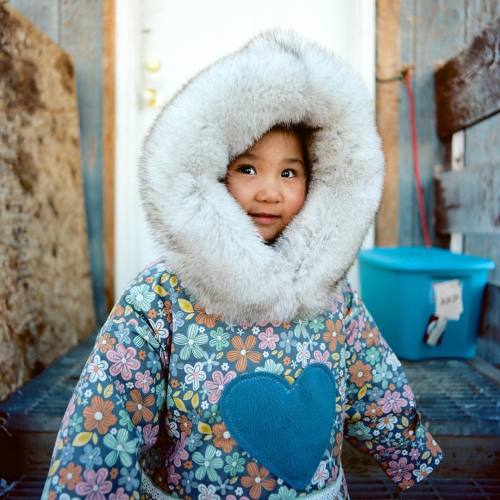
[(148, 396)]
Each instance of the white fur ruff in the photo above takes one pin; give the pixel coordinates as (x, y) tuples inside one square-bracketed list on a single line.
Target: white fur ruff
[(205, 236)]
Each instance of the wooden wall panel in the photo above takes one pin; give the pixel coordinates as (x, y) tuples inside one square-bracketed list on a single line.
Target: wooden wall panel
[(387, 98), (483, 146), (43, 14), (479, 13), (483, 139), (439, 35), (82, 36), (78, 27), (488, 345), (85, 28), (470, 200), (45, 294), (467, 87), (431, 32), (408, 209), (109, 114)]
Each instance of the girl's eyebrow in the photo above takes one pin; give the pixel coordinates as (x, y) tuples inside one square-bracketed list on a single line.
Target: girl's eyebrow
[(294, 160), (253, 156), (249, 155)]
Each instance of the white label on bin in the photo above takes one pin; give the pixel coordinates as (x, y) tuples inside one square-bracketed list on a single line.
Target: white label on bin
[(448, 299)]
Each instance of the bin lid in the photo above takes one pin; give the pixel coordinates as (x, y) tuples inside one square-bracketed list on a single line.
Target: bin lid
[(423, 259)]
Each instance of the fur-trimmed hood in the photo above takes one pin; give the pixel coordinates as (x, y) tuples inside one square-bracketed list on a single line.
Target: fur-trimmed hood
[(206, 238)]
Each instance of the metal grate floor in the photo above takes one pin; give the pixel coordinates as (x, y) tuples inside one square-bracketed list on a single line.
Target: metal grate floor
[(359, 489), (48, 393), (455, 398), (452, 488), (452, 395)]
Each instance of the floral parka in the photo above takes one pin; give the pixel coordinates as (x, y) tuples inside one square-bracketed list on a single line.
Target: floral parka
[(149, 400)]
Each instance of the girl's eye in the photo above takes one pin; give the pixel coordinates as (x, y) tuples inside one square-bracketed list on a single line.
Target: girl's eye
[(288, 173), (246, 169)]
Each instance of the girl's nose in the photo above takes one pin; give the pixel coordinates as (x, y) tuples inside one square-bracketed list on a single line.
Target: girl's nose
[(268, 191)]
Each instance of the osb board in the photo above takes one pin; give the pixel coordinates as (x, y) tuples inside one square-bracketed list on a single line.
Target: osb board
[(84, 29), (45, 290)]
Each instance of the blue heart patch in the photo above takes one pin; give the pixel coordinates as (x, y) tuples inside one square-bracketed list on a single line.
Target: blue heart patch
[(285, 427)]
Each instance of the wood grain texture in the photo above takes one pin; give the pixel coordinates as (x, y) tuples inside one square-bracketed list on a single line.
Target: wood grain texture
[(82, 36), (387, 104), (408, 211), (479, 13), (45, 298), (77, 25), (432, 31), (44, 15), (469, 201), (109, 150), (483, 146), (439, 35), (488, 345), (467, 87)]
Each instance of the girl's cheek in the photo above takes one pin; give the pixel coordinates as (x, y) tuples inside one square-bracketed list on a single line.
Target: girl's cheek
[(298, 197), (239, 191)]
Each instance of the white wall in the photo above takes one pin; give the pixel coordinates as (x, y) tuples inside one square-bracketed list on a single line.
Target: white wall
[(186, 36)]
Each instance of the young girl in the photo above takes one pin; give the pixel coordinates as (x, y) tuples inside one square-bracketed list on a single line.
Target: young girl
[(234, 367)]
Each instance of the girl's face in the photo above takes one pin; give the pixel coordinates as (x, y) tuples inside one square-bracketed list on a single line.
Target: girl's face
[(269, 181)]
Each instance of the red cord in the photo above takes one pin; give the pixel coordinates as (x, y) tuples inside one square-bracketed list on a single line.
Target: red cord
[(416, 172)]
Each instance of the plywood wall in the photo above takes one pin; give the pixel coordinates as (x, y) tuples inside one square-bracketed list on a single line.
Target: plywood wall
[(84, 29), (46, 301)]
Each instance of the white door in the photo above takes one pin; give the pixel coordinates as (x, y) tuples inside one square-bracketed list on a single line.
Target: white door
[(162, 43)]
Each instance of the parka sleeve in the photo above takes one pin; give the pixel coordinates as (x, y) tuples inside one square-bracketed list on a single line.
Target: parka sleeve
[(113, 415), (381, 417)]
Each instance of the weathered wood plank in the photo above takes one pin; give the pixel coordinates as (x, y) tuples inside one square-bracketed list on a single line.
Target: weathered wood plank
[(45, 293), (483, 146), (387, 95), (469, 201), (408, 211), (109, 114), (488, 369), (487, 246), (82, 36), (438, 34), (467, 87), (43, 14), (77, 25), (479, 13), (483, 142), (488, 346), (30, 452)]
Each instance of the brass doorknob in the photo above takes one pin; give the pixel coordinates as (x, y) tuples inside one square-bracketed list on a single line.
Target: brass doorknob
[(151, 97)]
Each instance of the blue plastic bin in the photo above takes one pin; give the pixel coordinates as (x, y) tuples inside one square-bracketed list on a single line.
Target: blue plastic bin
[(397, 288)]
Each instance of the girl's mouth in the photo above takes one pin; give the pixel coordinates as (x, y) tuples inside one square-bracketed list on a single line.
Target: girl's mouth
[(264, 219)]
